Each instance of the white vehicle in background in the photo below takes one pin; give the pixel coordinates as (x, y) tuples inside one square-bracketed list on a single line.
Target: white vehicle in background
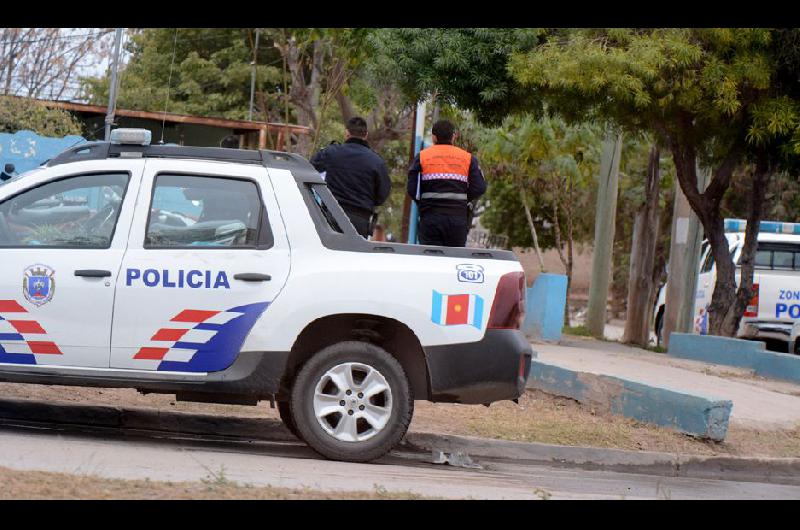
[(773, 314)]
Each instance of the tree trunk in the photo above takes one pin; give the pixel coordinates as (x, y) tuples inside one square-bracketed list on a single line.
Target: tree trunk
[(761, 177), (643, 250), (533, 228), (727, 303), (566, 261)]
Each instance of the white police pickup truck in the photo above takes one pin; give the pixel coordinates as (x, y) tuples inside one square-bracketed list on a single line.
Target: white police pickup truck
[(773, 314), (233, 276)]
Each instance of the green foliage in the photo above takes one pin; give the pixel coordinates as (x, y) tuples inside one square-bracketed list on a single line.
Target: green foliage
[(19, 114), (210, 75), (551, 161), (465, 66), (707, 87)]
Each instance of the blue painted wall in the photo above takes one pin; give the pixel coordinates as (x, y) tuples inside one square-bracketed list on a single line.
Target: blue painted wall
[(28, 150), (736, 352), (691, 414), (544, 307)]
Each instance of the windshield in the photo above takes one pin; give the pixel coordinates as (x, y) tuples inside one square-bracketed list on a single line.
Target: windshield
[(16, 176)]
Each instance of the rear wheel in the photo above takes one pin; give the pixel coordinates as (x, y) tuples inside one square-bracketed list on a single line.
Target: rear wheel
[(352, 401)]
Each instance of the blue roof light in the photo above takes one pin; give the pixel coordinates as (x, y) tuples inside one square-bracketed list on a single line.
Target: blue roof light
[(769, 227), (131, 136)]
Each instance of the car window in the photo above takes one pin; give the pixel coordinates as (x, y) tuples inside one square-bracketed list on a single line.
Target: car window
[(782, 259), (763, 259), (75, 212), (708, 264), (326, 212), (193, 211)]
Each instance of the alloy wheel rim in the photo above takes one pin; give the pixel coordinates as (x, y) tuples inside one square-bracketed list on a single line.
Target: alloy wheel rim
[(352, 402)]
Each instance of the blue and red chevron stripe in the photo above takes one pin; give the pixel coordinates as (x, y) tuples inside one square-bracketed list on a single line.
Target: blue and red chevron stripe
[(20, 338), (201, 340)]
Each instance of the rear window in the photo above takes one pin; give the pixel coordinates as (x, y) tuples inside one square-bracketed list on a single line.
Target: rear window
[(778, 256)]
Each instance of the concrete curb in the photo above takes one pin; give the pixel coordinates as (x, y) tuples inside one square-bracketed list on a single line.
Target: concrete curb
[(103, 417), (736, 352), (773, 470), (696, 415)]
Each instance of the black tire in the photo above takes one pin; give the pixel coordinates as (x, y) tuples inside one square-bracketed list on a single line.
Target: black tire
[(285, 412), (311, 430)]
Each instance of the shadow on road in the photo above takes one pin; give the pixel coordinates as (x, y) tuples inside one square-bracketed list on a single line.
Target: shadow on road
[(189, 430)]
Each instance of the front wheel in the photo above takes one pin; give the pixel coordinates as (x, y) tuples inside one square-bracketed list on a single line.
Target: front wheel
[(352, 401)]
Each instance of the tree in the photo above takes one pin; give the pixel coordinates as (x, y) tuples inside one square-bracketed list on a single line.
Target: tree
[(718, 97), (20, 114), (466, 67), (557, 159), (209, 75), (46, 62)]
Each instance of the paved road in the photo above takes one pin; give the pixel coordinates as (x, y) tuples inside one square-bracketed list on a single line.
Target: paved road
[(293, 465)]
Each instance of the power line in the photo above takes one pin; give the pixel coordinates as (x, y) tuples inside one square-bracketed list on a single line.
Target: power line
[(52, 38), (169, 82)]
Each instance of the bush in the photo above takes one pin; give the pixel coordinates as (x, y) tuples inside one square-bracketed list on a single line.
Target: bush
[(19, 114)]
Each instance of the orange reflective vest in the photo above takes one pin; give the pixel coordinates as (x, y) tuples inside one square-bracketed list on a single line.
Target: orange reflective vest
[(445, 162)]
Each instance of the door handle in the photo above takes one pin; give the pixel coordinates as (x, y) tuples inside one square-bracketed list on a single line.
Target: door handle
[(93, 273), (252, 277)]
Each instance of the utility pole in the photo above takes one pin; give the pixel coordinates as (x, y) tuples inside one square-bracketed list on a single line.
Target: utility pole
[(604, 225), (112, 91), (253, 76), (419, 131), (684, 262)]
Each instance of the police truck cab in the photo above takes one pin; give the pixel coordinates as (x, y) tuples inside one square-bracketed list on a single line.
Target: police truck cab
[(233, 276)]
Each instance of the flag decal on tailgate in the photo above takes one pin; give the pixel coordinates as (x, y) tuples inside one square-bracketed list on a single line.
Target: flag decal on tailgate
[(455, 309)]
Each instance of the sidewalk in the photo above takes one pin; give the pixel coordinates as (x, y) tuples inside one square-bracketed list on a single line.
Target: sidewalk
[(757, 403)]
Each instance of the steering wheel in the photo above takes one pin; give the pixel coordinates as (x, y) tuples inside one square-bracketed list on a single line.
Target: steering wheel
[(5, 231)]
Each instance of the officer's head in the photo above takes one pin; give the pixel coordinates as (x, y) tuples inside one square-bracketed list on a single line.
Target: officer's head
[(356, 127), (230, 141), (443, 132)]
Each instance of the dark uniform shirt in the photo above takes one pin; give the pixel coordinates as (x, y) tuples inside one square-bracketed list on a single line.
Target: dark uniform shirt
[(445, 194), (356, 175)]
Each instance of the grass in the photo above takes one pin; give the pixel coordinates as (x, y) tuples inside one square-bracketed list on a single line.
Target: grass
[(579, 331), (542, 418), (47, 485), (538, 417)]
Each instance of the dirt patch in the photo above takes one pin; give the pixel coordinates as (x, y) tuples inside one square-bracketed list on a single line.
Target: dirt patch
[(539, 417), (47, 485), (543, 418)]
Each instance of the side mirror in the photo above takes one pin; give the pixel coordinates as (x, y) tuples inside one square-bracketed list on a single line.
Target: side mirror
[(9, 169)]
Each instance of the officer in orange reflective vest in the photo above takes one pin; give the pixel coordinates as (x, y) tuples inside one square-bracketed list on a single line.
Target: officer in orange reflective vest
[(444, 179)]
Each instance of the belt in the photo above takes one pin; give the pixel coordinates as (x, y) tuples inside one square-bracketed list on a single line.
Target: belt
[(451, 196)]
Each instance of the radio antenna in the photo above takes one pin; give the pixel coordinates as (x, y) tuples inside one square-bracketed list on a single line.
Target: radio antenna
[(169, 82)]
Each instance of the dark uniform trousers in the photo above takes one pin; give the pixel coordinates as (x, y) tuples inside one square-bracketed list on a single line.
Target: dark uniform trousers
[(443, 229), (359, 218)]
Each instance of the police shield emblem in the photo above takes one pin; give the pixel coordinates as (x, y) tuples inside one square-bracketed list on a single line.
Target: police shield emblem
[(38, 284)]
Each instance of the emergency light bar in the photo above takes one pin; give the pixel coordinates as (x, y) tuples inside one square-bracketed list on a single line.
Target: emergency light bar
[(130, 136), (771, 227)]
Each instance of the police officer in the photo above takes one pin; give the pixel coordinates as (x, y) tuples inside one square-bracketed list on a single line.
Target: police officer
[(230, 141), (356, 175), (444, 180)]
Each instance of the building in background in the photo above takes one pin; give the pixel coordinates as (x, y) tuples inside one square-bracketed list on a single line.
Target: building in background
[(183, 129)]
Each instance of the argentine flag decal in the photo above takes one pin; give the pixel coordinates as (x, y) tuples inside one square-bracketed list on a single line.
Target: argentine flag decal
[(454, 309)]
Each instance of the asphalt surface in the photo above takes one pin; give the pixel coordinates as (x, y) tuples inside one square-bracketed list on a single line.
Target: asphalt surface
[(176, 457)]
